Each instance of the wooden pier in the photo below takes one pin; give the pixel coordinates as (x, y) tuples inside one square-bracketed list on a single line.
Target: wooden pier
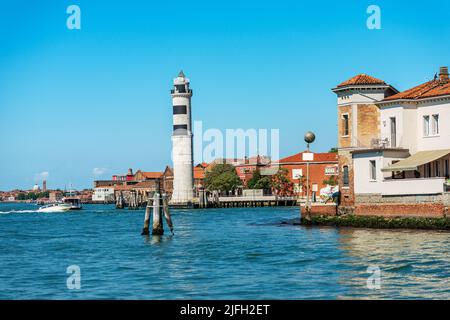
[(241, 202)]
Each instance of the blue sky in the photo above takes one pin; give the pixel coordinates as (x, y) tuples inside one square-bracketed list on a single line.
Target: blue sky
[(75, 100)]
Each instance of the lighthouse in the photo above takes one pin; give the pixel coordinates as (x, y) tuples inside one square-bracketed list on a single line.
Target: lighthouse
[(183, 182)]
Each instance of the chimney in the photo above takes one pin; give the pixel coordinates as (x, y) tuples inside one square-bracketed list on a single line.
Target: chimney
[(443, 74)]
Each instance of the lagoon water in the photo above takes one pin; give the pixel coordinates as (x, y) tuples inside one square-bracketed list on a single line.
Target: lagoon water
[(239, 253)]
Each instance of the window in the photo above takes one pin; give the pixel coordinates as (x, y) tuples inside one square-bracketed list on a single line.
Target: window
[(373, 170), (346, 180), (345, 127), (437, 169), (180, 129), (446, 168), (426, 126), (393, 132), (428, 170), (435, 124), (297, 173), (181, 88)]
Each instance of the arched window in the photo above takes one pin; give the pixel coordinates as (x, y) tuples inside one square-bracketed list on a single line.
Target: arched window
[(346, 180)]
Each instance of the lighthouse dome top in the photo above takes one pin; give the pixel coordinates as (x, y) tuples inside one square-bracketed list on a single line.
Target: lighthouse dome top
[(181, 79)]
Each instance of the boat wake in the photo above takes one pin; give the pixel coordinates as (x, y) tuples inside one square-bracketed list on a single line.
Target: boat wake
[(17, 211)]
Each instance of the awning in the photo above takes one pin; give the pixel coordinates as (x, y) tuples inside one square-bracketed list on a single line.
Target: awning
[(416, 160)]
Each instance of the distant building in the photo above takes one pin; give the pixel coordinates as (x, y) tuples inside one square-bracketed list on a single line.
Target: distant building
[(55, 196), (44, 185), (103, 194), (36, 188), (126, 177), (323, 167)]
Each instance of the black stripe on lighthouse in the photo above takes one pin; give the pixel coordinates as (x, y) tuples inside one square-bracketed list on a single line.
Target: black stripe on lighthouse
[(180, 109), (180, 129)]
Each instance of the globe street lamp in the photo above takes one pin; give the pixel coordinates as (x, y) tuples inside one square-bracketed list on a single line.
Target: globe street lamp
[(309, 138)]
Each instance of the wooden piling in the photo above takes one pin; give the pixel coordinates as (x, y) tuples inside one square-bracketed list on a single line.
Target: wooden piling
[(157, 227), (145, 230), (167, 213)]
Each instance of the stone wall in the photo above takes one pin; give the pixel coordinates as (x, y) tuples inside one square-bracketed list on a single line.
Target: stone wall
[(403, 199)]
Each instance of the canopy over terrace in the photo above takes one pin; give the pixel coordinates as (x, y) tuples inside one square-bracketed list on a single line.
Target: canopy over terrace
[(413, 162)]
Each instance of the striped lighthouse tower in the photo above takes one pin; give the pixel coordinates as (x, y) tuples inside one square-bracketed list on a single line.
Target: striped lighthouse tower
[(183, 181)]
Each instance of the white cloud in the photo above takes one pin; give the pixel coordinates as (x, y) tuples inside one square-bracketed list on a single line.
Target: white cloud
[(99, 171), (41, 176)]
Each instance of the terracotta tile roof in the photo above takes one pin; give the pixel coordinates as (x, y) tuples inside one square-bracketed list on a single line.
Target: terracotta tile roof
[(122, 187), (144, 184), (199, 173), (428, 89), (318, 157), (361, 79), (152, 175)]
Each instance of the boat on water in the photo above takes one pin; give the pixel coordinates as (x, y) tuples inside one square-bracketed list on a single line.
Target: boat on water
[(55, 207), (73, 202)]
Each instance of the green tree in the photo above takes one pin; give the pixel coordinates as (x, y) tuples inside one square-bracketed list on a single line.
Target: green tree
[(254, 179), (222, 177), (331, 181), (21, 196), (264, 183), (333, 150)]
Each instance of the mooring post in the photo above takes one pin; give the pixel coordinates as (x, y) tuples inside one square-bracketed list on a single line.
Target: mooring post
[(157, 218), (167, 213), (145, 230)]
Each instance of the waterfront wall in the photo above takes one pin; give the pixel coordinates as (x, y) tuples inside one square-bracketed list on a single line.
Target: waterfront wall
[(321, 210), (416, 210)]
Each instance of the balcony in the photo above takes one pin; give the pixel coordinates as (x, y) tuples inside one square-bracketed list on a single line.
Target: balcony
[(426, 186), (173, 91)]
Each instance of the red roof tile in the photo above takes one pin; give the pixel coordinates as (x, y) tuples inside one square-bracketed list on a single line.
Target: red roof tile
[(318, 157), (199, 173), (361, 79), (152, 175), (429, 89)]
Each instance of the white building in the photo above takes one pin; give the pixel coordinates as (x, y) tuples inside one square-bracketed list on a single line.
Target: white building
[(411, 157), (183, 181), (103, 194)]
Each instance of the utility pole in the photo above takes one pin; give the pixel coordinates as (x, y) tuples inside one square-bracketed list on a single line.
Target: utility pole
[(309, 138)]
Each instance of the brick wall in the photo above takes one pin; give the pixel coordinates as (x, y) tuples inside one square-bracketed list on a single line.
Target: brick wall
[(347, 193), (368, 124), (321, 210), (316, 174), (344, 141), (431, 210)]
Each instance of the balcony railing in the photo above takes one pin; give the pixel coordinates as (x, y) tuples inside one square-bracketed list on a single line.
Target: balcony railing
[(420, 186)]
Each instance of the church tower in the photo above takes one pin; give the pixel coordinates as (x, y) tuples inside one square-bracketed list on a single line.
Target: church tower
[(183, 181)]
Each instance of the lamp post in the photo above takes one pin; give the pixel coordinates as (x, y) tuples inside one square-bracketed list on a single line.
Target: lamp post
[(309, 138)]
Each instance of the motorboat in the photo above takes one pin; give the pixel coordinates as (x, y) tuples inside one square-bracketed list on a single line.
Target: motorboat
[(73, 202), (72, 199), (55, 207)]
